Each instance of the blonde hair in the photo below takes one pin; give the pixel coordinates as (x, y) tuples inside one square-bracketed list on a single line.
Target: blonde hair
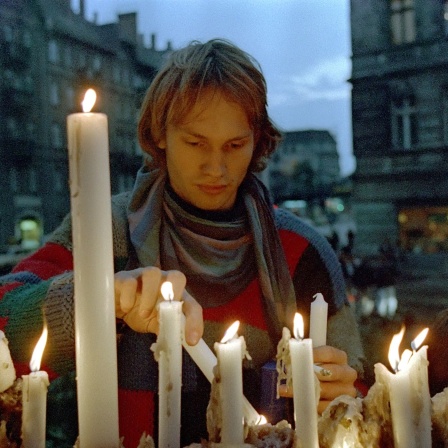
[(219, 66)]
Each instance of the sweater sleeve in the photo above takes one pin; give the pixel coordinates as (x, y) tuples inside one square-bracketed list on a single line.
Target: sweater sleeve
[(32, 286), (318, 270), (41, 287)]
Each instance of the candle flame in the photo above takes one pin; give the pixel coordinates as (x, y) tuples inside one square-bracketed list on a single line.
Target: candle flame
[(89, 100), (262, 420), (231, 332), (394, 355), (38, 351), (418, 341), (299, 330), (167, 291), (404, 360)]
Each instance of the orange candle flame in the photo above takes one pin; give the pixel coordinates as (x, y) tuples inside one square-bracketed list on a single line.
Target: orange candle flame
[(231, 332), (418, 341), (89, 100), (394, 354), (38, 351)]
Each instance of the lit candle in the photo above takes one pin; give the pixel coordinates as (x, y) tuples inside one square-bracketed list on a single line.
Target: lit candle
[(410, 400), (205, 359), (95, 333), (34, 399), (318, 320), (230, 352), (168, 350), (7, 370), (303, 384)]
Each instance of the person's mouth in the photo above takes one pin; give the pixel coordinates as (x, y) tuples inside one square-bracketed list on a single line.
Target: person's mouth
[(212, 189)]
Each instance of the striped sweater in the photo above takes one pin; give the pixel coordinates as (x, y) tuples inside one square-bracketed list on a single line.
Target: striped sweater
[(42, 284)]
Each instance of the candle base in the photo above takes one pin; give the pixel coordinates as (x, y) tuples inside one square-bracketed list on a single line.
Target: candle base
[(11, 413)]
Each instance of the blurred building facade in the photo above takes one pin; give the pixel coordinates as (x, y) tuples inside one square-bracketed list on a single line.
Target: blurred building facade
[(400, 124), (50, 56), (305, 166)]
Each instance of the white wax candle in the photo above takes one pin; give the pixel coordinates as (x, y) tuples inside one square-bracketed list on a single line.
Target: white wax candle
[(34, 409), (96, 356), (169, 349), (318, 320), (303, 378), (7, 370), (34, 399), (410, 403), (230, 367), (205, 359)]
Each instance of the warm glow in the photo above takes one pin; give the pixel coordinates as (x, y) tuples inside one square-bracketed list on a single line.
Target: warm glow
[(404, 360), (36, 358), (394, 355), (89, 100), (167, 291), (299, 330), (262, 420), (231, 332), (418, 341)]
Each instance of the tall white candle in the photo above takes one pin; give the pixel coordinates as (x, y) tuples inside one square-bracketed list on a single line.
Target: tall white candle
[(318, 320), (303, 383), (95, 333), (230, 367), (169, 351), (410, 400), (34, 399)]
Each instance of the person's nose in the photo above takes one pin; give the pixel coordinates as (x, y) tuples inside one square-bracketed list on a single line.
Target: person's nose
[(215, 163)]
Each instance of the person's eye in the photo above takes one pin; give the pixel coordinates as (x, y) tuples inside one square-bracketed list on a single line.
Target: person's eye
[(237, 145), (193, 142)]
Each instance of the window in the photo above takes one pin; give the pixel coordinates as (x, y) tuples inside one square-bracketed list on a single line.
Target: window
[(53, 51), (30, 130), (70, 97), (56, 136), (30, 232), (96, 63), (423, 229), (27, 38), (68, 57), (402, 21), (12, 127), (14, 180), (445, 16), (8, 33), (82, 60), (404, 123), (33, 180), (54, 94), (58, 181)]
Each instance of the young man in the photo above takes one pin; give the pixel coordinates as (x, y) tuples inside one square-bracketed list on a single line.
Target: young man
[(197, 216)]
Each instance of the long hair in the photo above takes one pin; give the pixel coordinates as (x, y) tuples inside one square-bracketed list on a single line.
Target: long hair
[(219, 66)]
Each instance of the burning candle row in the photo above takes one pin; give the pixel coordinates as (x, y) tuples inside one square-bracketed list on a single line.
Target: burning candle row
[(93, 258)]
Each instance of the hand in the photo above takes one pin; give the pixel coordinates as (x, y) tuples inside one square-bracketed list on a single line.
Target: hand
[(342, 378), (340, 382), (137, 293)]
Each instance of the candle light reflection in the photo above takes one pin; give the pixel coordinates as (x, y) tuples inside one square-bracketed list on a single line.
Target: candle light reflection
[(38, 351)]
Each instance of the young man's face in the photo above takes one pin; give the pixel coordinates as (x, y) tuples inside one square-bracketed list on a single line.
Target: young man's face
[(208, 154)]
